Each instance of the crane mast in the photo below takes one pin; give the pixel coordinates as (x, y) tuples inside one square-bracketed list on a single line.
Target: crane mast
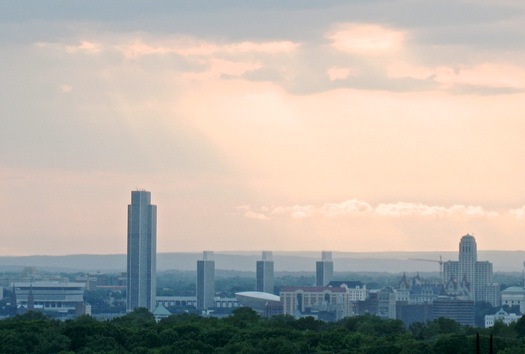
[(440, 261)]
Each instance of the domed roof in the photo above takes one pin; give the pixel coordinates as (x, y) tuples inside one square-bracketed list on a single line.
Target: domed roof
[(256, 299), (258, 295)]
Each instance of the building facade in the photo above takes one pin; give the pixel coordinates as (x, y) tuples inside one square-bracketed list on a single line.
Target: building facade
[(324, 269), (57, 299), (502, 316), (468, 277), (191, 301), (264, 270), (386, 303), (142, 251), (326, 303), (461, 311), (264, 304), (356, 290), (492, 294), (206, 281), (417, 291), (514, 296)]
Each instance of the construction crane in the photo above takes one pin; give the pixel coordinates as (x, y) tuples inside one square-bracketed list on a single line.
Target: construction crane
[(440, 261)]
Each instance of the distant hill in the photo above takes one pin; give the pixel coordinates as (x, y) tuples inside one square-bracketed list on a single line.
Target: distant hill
[(391, 262)]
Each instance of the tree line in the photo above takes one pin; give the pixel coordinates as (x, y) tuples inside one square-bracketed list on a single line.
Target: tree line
[(246, 332)]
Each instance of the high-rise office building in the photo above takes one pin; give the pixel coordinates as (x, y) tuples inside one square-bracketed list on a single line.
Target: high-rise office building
[(206, 281), (142, 251), (473, 277), (468, 257), (324, 269), (264, 270)]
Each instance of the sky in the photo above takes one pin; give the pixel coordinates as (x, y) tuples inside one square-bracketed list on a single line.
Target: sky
[(358, 126)]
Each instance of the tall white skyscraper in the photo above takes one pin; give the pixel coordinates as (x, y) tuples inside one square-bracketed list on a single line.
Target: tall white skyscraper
[(324, 269), (264, 270), (142, 251), (206, 281)]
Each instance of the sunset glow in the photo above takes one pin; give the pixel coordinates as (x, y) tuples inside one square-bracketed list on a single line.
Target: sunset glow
[(350, 127)]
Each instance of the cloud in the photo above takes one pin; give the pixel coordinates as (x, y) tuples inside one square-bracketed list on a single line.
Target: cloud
[(354, 207), (263, 47), (84, 47), (381, 58), (401, 69), (519, 213), (489, 75), (418, 209), (339, 73), (195, 47), (195, 58), (65, 88), (370, 39), (351, 206), (136, 46), (250, 214), (296, 211)]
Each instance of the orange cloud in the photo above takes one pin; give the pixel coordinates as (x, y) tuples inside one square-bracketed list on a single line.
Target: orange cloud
[(366, 39), (419, 209), (400, 69), (496, 75), (263, 47), (519, 213), (84, 47), (339, 73), (355, 207), (250, 214), (493, 75), (218, 67), (66, 88), (191, 47)]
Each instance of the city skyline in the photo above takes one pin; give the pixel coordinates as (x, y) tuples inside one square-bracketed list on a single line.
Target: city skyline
[(355, 127)]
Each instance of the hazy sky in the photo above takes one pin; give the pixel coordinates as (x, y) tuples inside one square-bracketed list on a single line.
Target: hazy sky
[(282, 125)]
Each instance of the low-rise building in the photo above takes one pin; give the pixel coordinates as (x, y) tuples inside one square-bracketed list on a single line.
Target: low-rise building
[(461, 311), (300, 301), (57, 299), (417, 291), (410, 313), (356, 290), (501, 315), (424, 294), (161, 312), (513, 296), (265, 304), (191, 301)]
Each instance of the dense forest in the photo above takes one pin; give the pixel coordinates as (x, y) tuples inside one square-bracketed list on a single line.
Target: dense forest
[(246, 332)]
